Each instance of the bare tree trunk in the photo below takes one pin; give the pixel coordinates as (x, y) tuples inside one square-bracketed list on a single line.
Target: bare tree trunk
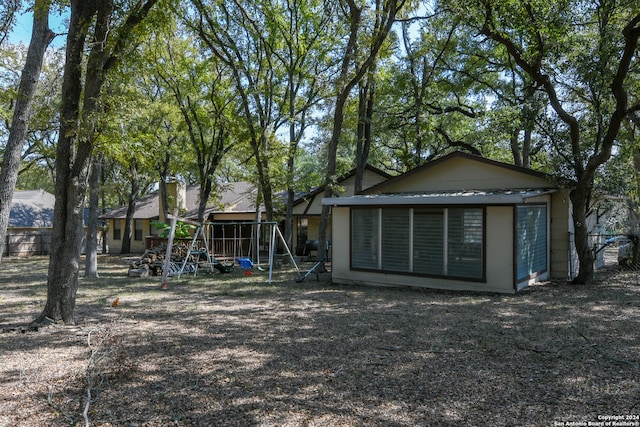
[(40, 39), (288, 222), (71, 171), (103, 205), (365, 135), (264, 176), (526, 148), (73, 153), (522, 154), (385, 17), (516, 152), (206, 186), (129, 228), (293, 148), (634, 208), (164, 174), (338, 119), (580, 201), (91, 241)]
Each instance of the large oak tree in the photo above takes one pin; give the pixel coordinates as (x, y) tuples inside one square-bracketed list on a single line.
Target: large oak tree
[(579, 55), (368, 26), (92, 24), (41, 36)]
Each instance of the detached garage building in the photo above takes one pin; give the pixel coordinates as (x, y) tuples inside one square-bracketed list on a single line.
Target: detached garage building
[(30, 224), (462, 222)]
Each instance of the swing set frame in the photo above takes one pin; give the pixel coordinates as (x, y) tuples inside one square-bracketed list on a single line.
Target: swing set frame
[(274, 232)]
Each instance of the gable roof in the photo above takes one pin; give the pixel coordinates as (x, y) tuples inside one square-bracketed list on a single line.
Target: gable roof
[(305, 197), (148, 206), (32, 208), (450, 158), (234, 197)]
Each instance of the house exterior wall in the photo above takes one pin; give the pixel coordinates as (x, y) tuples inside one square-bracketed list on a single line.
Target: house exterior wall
[(235, 217), (459, 174), (313, 233), (455, 175), (300, 208), (340, 263), (313, 228), (239, 206), (369, 180), (499, 258), (315, 206), (312, 208), (137, 246)]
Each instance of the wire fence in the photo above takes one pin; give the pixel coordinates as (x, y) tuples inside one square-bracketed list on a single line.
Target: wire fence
[(610, 250)]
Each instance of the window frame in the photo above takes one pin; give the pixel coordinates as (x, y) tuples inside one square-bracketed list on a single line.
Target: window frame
[(373, 219), (410, 244), (302, 230), (117, 229), (138, 229), (517, 234)]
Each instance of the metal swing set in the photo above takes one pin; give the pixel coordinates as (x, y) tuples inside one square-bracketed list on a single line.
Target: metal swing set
[(189, 265)]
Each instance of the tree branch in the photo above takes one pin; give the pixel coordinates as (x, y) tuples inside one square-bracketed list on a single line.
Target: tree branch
[(543, 80), (465, 145)]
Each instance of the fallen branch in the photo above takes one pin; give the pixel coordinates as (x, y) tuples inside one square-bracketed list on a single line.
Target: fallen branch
[(103, 344), (71, 419)]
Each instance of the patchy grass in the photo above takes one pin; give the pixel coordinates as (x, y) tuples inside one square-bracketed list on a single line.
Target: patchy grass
[(234, 350)]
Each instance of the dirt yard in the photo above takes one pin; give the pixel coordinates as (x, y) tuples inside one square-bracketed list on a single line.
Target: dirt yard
[(232, 350)]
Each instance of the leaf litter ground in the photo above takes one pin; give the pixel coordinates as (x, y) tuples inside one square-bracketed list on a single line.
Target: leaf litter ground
[(230, 349)]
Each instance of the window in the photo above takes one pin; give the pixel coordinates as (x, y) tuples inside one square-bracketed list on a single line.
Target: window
[(395, 239), (116, 230), (303, 230), (531, 235), (425, 241), (365, 238), (464, 252), (137, 225), (428, 241)]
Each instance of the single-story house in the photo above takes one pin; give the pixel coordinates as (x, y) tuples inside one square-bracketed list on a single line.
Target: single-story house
[(235, 203), (30, 223), (148, 210), (461, 222), (307, 207), (232, 220)]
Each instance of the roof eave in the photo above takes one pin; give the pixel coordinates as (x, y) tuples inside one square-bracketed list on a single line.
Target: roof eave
[(427, 199)]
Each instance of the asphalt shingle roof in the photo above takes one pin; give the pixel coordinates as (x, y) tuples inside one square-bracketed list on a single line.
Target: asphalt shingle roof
[(32, 208), (232, 197)]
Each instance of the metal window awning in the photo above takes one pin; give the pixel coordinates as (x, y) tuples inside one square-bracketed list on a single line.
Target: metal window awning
[(462, 197)]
